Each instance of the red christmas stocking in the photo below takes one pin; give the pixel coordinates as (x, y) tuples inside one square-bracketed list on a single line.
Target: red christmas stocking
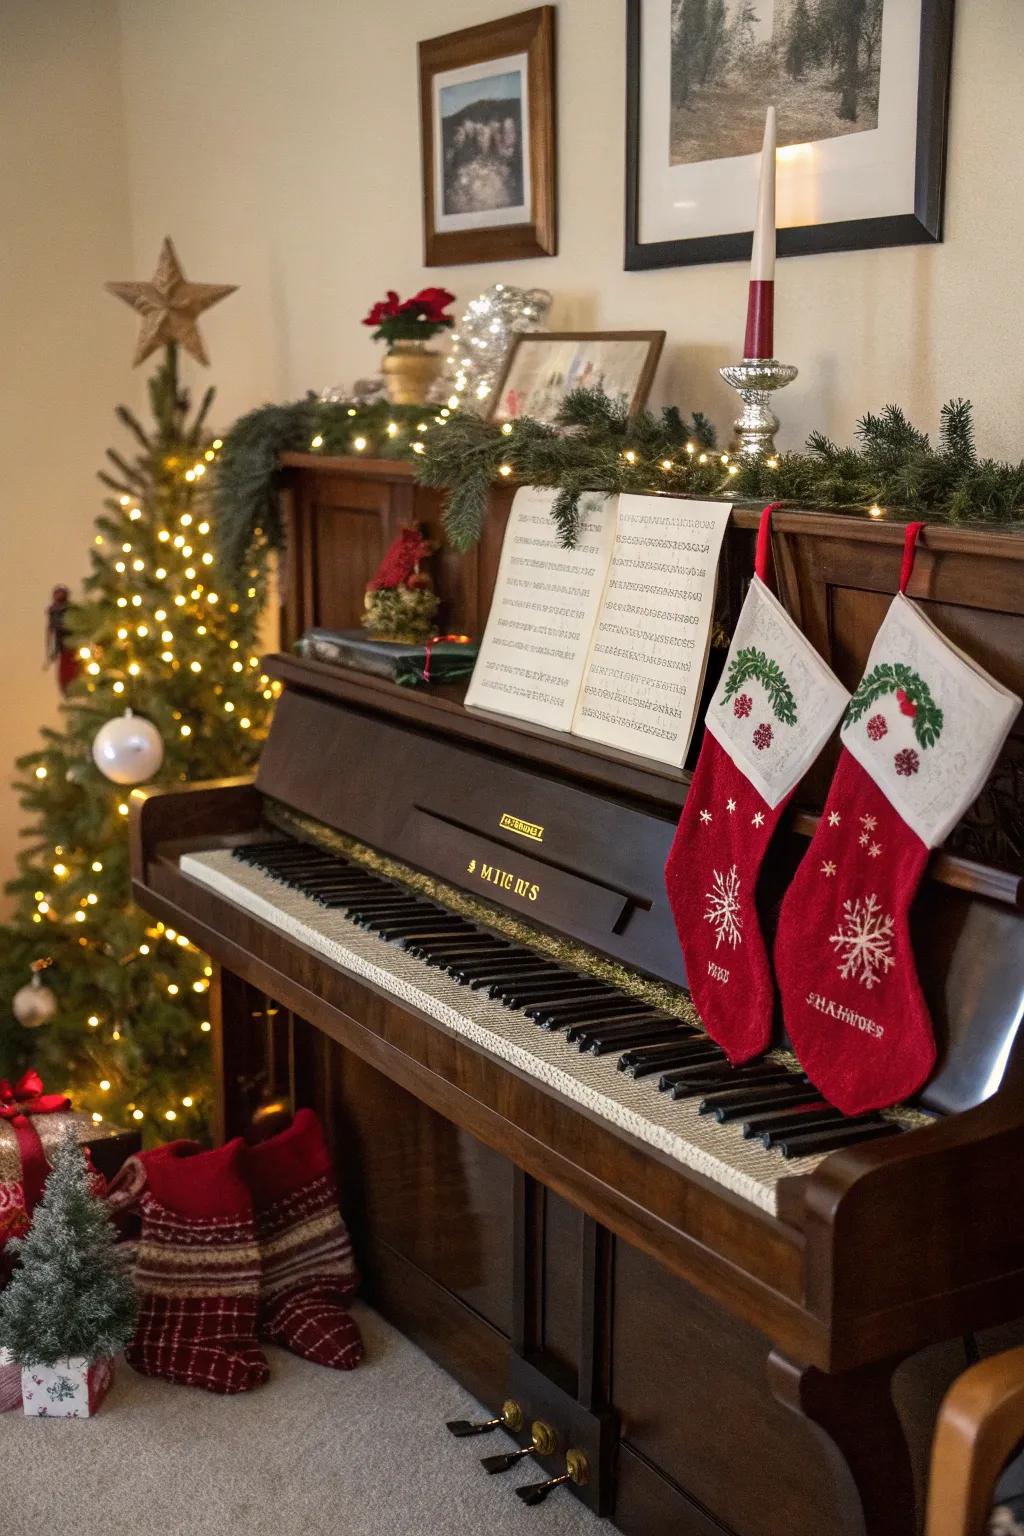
[(777, 705), (307, 1271), (920, 738), (197, 1271)]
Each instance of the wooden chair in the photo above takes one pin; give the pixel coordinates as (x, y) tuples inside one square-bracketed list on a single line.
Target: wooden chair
[(980, 1425)]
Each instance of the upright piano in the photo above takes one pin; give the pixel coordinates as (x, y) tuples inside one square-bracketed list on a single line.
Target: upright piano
[(448, 933)]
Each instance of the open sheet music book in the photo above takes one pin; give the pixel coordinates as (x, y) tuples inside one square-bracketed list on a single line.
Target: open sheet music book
[(608, 640)]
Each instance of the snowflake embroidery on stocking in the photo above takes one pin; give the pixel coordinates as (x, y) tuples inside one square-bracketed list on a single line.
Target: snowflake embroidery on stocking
[(723, 910), (834, 818), (864, 940), (757, 820), (742, 707), (828, 869), (907, 762), (730, 805), (705, 817), (869, 823), (877, 727), (763, 736), (874, 850)]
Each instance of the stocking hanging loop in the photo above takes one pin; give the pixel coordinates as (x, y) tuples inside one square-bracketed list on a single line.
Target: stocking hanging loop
[(909, 551), (764, 540)]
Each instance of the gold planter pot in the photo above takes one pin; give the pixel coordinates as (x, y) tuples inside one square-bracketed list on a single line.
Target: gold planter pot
[(409, 369)]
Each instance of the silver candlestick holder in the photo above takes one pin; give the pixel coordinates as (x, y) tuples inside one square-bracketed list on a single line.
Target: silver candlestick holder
[(755, 380)]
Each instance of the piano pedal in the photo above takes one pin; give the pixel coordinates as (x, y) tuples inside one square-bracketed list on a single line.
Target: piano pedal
[(543, 1442), (510, 1417), (577, 1470)]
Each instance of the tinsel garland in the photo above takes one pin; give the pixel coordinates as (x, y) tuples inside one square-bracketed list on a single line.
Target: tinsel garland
[(596, 445)]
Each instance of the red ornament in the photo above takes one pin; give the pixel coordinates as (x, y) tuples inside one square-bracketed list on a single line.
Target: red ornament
[(907, 705), (763, 736), (877, 727), (742, 707)]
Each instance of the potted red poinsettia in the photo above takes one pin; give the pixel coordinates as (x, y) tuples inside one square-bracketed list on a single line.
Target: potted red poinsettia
[(406, 325)]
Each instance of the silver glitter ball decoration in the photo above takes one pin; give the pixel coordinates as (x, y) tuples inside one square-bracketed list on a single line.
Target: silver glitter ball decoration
[(34, 1005), (481, 340)]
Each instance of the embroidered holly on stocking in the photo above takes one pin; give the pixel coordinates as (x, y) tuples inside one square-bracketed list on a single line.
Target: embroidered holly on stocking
[(920, 737), (775, 708)]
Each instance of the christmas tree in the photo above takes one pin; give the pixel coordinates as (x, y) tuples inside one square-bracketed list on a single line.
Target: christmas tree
[(160, 632), (70, 1295)]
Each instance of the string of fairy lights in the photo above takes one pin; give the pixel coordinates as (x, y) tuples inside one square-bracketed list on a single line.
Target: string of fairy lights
[(144, 651)]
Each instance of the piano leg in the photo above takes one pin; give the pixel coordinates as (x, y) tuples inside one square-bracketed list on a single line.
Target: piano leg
[(855, 1411)]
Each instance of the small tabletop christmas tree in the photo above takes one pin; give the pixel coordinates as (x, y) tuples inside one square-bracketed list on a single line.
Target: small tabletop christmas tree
[(71, 1296)]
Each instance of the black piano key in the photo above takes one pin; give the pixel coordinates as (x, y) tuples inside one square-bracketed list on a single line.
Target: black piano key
[(462, 965), (794, 1120), (381, 916), (704, 1081), (642, 1016), (448, 949), (775, 1099), (287, 853), (769, 1130), (600, 1042), (562, 1014), (646, 1060), (378, 906), (409, 928), (549, 990), (439, 931), (807, 1143), (248, 853), (505, 960)]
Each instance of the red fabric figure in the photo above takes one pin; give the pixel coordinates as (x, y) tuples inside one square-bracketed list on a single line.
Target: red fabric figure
[(57, 649), (920, 738), (401, 561), (776, 706)]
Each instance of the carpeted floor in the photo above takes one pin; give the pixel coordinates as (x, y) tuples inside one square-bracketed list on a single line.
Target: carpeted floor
[(313, 1453)]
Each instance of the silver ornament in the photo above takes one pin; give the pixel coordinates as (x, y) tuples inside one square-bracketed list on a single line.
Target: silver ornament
[(34, 1004), (128, 749), (480, 342)]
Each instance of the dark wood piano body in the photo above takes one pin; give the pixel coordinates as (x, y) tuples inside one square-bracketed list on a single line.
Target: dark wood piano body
[(723, 1367)]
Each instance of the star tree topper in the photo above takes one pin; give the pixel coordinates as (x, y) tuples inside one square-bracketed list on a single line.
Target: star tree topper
[(170, 306)]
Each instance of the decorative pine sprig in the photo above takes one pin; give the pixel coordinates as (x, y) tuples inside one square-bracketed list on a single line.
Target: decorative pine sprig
[(888, 677), (749, 663)]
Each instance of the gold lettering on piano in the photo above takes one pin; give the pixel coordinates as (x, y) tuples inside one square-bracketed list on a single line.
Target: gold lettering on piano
[(504, 879), (521, 828)]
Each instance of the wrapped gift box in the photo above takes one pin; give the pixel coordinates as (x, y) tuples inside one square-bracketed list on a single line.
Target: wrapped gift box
[(71, 1389), (10, 1382), (107, 1146)]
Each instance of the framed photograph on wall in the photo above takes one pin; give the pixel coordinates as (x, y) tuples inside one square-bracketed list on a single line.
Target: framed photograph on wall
[(543, 366), (487, 113), (861, 91)]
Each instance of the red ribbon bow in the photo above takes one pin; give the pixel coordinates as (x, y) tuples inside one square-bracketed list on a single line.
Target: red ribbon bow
[(440, 640), (17, 1102)]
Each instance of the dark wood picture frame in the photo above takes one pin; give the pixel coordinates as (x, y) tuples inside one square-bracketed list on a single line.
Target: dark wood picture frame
[(655, 342), (532, 33), (922, 226)]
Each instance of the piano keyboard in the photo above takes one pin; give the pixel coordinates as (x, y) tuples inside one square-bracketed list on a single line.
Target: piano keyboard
[(641, 1068)]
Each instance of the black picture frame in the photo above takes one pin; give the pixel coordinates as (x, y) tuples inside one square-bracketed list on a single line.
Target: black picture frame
[(922, 226)]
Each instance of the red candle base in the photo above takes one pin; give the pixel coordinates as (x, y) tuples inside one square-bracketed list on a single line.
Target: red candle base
[(759, 341)]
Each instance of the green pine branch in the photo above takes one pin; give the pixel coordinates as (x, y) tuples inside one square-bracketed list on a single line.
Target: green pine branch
[(749, 663), (886, 678)]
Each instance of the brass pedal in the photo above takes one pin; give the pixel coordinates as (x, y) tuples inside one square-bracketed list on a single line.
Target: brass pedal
[(543, 1442), (510, 1417), (577, 1470)]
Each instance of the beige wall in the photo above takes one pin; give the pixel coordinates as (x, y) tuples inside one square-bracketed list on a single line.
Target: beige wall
[(65, 353), (282, 148), (277, 141)]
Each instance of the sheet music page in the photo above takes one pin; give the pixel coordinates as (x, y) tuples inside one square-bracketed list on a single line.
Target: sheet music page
[(545, 604), (643, 677)]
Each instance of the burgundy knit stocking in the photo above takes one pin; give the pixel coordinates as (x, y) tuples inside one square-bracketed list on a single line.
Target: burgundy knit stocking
[(306, 1268)]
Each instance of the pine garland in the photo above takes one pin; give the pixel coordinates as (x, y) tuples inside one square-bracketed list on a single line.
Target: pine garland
[(595, 446)]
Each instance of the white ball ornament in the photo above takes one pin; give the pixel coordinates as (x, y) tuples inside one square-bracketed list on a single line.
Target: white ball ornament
[(34, 1004), (128, 749)]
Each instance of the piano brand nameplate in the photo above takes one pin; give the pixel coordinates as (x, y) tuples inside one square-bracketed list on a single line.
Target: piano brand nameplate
[(476, 863)]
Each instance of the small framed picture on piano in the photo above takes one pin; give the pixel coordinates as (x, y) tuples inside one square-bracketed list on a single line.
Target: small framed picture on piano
[(543, 366)]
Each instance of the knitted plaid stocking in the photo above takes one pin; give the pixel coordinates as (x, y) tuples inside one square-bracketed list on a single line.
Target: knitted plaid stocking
[(307, 1271), (197, 1271)]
